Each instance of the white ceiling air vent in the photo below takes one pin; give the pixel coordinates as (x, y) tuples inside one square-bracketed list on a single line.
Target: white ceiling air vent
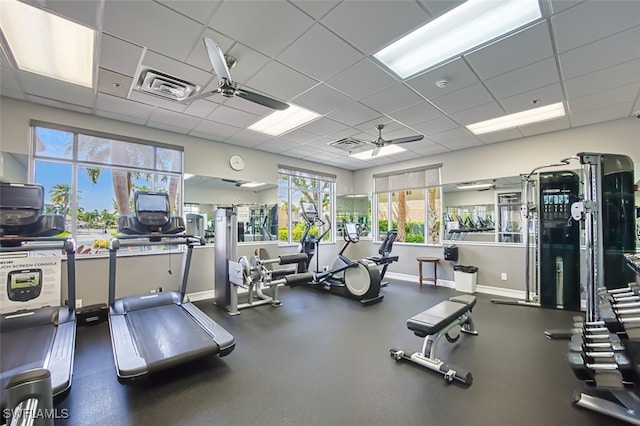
[(164, 85), (348, 144)]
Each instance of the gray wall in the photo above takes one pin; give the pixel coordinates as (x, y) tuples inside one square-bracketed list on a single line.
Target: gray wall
[(210, 158)]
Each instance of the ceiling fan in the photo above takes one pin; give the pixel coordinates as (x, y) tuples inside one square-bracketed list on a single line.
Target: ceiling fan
[(226, 86), (380, 142)]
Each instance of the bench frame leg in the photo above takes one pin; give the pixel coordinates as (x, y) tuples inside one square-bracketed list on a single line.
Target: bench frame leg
[(427, 357)]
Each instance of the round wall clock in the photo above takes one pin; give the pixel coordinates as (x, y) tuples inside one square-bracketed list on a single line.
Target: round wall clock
[(236, 162)]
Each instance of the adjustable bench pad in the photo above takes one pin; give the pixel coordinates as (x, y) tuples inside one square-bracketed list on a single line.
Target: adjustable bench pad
[(441, 315)]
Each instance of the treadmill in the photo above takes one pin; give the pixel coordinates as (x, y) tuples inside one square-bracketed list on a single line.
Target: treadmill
[(155, 331), (42, 338)]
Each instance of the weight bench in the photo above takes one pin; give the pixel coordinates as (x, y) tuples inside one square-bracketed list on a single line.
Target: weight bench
[(432, 325)]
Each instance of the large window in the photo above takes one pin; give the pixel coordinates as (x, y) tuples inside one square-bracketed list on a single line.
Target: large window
[(409, 202), (295, 186), (90, 178)]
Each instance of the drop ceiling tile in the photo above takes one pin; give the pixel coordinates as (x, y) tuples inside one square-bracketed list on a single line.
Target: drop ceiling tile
[(315, 8), (539, 74), (430, 148), (619, 48), (605, 98), (523, 48), (122, 117), (478, 113), (392, 99), (452, 135), (119, 106), (213, 130), (462, 99), (354, 114), (122, 19), (172, 121), (593, 20), (419, 113), (612, 112), (504, 135), (232, 117), (119, 55), (307, 153), (361, 79), (324, 127), (245, 22), (277, 145), (201, 108), (404, 156), (608, 78), (249, 62), (370, 26), (462, 144), (198, 56), (83, 12), (152, 100), (560, 5), (456, 73), (248, 138), (299, 136), (280, 81), (436, 126), (440, 7), (113, 83), (304, 53), (45, 87), (554, 125), (197, 10), (243, 105), (58, 104), (322, 99), (546, 95)]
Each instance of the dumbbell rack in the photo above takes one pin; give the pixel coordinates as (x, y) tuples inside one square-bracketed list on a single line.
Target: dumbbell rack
[(605, 354)]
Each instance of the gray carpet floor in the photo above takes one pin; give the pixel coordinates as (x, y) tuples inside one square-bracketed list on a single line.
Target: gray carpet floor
[(321, 359)]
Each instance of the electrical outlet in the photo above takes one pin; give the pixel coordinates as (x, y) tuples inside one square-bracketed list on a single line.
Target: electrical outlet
[(503, 276), (78, 303)]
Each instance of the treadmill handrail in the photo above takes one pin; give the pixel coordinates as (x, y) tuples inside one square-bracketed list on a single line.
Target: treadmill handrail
[(136, 241)]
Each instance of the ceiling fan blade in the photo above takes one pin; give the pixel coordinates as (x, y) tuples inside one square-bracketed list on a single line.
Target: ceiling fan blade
[(261, 99), (217, 60), (406, 140), (376, 150), (202, 95)]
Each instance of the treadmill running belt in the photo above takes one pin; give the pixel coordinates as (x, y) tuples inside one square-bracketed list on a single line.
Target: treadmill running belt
[(23, 350), (168, 335)]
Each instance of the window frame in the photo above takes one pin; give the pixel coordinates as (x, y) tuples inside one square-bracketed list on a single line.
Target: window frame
[(408, 180), (154, 173), (322, 181)]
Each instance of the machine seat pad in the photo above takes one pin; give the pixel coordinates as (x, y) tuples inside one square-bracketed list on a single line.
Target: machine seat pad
[(440, 316)]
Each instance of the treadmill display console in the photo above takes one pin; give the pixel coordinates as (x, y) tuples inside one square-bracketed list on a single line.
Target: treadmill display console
[(152, 208), (20, 205)]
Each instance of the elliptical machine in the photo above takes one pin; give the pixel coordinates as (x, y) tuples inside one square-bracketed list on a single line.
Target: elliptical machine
[(356, 279)]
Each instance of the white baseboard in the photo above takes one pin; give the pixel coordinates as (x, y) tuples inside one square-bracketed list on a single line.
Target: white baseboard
[(201, 295), (497, 291)]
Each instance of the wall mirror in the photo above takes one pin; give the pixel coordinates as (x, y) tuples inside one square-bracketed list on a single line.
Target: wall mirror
[(355, 208), (255, 205), (485, 210)]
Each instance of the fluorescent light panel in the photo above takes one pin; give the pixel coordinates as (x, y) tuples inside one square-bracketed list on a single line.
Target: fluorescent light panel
[(283, 121), (252, 184), (385, 150), (469, 25), (522, 118), (46, 44), (475, 186)]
